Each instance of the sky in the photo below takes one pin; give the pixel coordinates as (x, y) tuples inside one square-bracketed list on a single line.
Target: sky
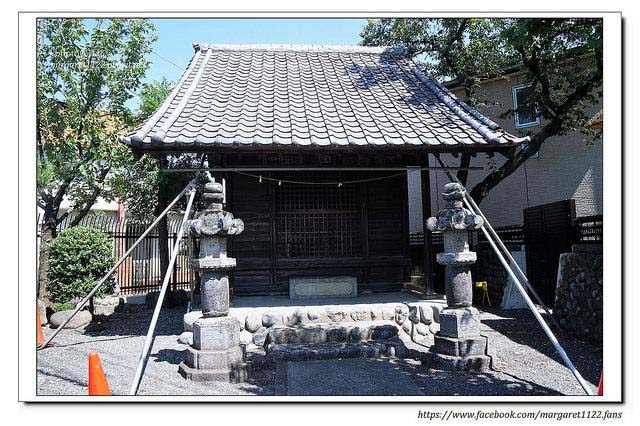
[(176, 37)]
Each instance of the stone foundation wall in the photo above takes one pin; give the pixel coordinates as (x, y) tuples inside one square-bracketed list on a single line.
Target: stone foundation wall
[(578, 305), (419, 319)]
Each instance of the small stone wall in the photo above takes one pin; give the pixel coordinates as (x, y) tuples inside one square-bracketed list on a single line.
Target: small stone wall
[(578, 305), (420, 319)]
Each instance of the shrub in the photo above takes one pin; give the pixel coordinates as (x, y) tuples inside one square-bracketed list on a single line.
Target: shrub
[(57, 307), (77, 259)]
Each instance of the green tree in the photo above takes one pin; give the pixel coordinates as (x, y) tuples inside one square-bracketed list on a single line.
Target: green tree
[(139, 185), (561, 59), (86, 73), (144, 187)]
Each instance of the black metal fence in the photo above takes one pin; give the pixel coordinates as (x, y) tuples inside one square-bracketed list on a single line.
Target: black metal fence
[(140, 272)]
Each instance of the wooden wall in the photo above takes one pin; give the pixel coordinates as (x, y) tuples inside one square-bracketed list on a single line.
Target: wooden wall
[(383, 264)]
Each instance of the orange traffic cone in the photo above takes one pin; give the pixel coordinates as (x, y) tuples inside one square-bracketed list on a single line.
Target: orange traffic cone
[(600, 387), (40, 339), (97, 381)]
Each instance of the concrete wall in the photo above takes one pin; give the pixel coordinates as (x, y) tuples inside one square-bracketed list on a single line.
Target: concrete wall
[(565, 168)]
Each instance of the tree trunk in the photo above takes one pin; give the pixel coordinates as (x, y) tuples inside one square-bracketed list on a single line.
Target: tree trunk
[(481, 190)]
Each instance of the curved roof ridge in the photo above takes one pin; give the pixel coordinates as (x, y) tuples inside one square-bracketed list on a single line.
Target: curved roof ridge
[(338, 48)]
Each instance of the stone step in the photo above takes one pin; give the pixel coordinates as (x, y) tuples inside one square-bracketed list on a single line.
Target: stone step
[(326, 332), (330, 350)]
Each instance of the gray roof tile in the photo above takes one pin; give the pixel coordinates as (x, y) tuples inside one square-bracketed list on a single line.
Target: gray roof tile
[(311, 95)]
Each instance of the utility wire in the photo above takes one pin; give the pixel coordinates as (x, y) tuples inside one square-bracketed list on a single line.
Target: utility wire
[(334, 183), (169, 62)]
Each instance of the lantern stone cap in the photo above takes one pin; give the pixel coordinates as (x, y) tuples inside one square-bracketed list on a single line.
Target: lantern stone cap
[(454, 217)]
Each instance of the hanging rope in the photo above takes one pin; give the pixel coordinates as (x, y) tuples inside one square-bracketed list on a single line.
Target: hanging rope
[(333, 183)]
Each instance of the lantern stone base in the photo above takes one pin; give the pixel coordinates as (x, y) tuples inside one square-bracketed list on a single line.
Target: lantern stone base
[(474, 364), (236, 374), (215, 353), (458, 345)]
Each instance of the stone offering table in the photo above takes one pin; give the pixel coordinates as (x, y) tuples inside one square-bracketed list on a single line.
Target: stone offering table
[(458, 345), (215, 352)]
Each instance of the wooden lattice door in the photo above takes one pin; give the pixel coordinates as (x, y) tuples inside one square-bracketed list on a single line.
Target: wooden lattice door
[(317, 220)]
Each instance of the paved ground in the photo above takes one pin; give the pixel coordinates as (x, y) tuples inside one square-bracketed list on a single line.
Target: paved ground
[(526, 362)]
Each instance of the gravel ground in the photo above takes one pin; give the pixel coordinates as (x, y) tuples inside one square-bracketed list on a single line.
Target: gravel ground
[(527, 363)]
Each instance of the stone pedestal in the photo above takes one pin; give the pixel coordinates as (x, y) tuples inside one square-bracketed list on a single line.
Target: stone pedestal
[(458, 345), (215, 352)]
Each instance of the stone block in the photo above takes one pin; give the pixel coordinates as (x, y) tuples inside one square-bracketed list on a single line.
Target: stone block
[(189, 318), (459, 347), (314, 287), (376, 312), (260, 336), (422, 329), (401, 314), (426, 313), (213, 360), (106, 306), (381, 332), (388, 312), (406, 327), (336, 315), (475, 364), (80, 319), (313, 315), (295, 335), (360, 334), (437, 308), (246, 337), (216, 333), (240, 316), (252, 323), (270, 319), (337, 334), (460, 322), (186, 338), (414, 313), (434, 327), (291, 317), (360, 314), (214, 294), (232, 375)]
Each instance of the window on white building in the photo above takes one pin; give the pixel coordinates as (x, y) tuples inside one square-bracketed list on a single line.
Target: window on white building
[(526, 114)]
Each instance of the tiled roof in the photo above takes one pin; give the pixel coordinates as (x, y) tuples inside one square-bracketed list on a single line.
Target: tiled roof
[(326, 96)]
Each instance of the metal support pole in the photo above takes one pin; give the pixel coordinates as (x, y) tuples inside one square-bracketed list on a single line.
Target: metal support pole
[(471, 205), (565, 358), (144, 355), (543, 324), (474, 207), (102, 280)]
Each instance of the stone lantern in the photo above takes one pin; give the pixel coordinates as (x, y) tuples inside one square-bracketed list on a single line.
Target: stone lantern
[(458, 344), (215, 353)]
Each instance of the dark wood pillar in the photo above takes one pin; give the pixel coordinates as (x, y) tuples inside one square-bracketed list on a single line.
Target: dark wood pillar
[(163, 225), (425, 185)]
